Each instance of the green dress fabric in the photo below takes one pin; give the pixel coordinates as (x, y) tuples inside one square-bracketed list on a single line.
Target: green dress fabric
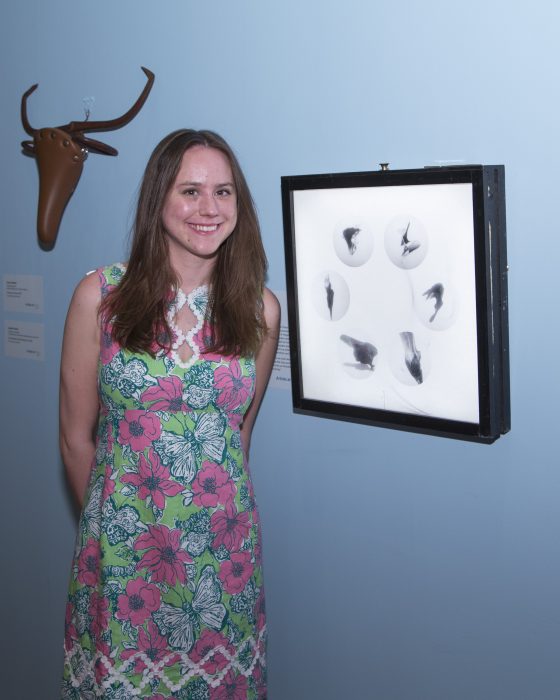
[(166, 595)]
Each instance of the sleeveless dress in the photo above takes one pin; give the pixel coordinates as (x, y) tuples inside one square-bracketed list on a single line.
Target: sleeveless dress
[(166, 596)]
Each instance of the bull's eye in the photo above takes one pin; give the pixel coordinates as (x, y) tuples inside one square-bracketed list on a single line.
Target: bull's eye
[(66, 143), (53, 135)]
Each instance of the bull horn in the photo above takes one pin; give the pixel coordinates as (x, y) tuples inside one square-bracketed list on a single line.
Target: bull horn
[(110, 124)]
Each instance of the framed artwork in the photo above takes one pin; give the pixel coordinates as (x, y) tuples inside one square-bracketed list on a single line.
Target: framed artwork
[(397, 298)]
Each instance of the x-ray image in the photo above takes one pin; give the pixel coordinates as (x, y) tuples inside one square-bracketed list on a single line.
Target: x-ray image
[(406, 241), (331, 295), (350, 234), (408, 245), (435, 292), (410, 358), (357, 354), (329, 291), (353, 241), (389, 276), (436, 304)]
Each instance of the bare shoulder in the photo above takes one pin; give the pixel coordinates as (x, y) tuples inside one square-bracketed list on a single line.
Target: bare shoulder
[(87, 294), (271, 310), (81, 320)]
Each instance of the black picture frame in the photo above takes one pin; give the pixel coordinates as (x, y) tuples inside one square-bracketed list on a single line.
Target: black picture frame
[(397, 298)]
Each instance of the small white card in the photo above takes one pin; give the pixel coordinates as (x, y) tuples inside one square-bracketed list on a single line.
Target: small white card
[(23, 293), (281, 377), (24, 340)]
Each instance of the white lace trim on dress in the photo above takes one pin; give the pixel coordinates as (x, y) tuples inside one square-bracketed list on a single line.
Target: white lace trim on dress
[(81, 667), (198, 294)]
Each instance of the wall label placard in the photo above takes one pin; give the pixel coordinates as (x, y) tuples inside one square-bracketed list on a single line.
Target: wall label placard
[(24, 340), (23, 293), (281, 377)]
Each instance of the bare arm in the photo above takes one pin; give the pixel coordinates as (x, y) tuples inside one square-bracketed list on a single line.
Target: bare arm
[(264, 363), (79, 402)]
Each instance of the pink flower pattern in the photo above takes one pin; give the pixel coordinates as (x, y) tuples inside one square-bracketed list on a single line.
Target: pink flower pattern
[(88, 563), (202, 340), (101, 672), (234, 687), (139, 602), (236, 571), (230, 528), (153, 480), (165, 558), (208, 641), (166, 396), (139, 429), (170, 533), (212, 485), (99, 612), (152, 644), (233, 386), (108, 483)]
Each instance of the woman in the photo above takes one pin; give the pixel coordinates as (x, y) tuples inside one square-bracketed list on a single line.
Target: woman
[(164, 365)]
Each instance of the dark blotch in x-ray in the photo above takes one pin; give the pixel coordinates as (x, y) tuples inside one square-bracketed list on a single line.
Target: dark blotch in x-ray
[(407, 245), (412, 356), (435, 292), (349, 235), (330, 294), (364, 353)]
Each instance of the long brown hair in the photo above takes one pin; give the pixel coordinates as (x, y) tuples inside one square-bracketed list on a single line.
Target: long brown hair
[(137, 306)]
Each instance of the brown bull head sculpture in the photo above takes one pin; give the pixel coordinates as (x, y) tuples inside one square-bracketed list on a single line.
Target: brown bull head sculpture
[(60, 153)]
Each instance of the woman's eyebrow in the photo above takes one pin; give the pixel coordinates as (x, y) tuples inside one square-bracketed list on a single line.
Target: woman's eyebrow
[(200, 184)]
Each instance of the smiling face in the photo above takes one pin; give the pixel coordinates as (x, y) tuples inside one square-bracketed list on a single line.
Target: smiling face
[(200, 209)]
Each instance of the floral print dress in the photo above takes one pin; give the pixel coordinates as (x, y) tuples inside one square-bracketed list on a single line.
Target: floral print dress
[(166, 596)]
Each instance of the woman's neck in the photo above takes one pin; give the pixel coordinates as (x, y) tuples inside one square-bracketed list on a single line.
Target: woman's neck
[(193, 272)]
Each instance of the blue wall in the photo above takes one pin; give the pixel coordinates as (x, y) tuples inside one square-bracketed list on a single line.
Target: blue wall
[(399, 567)]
